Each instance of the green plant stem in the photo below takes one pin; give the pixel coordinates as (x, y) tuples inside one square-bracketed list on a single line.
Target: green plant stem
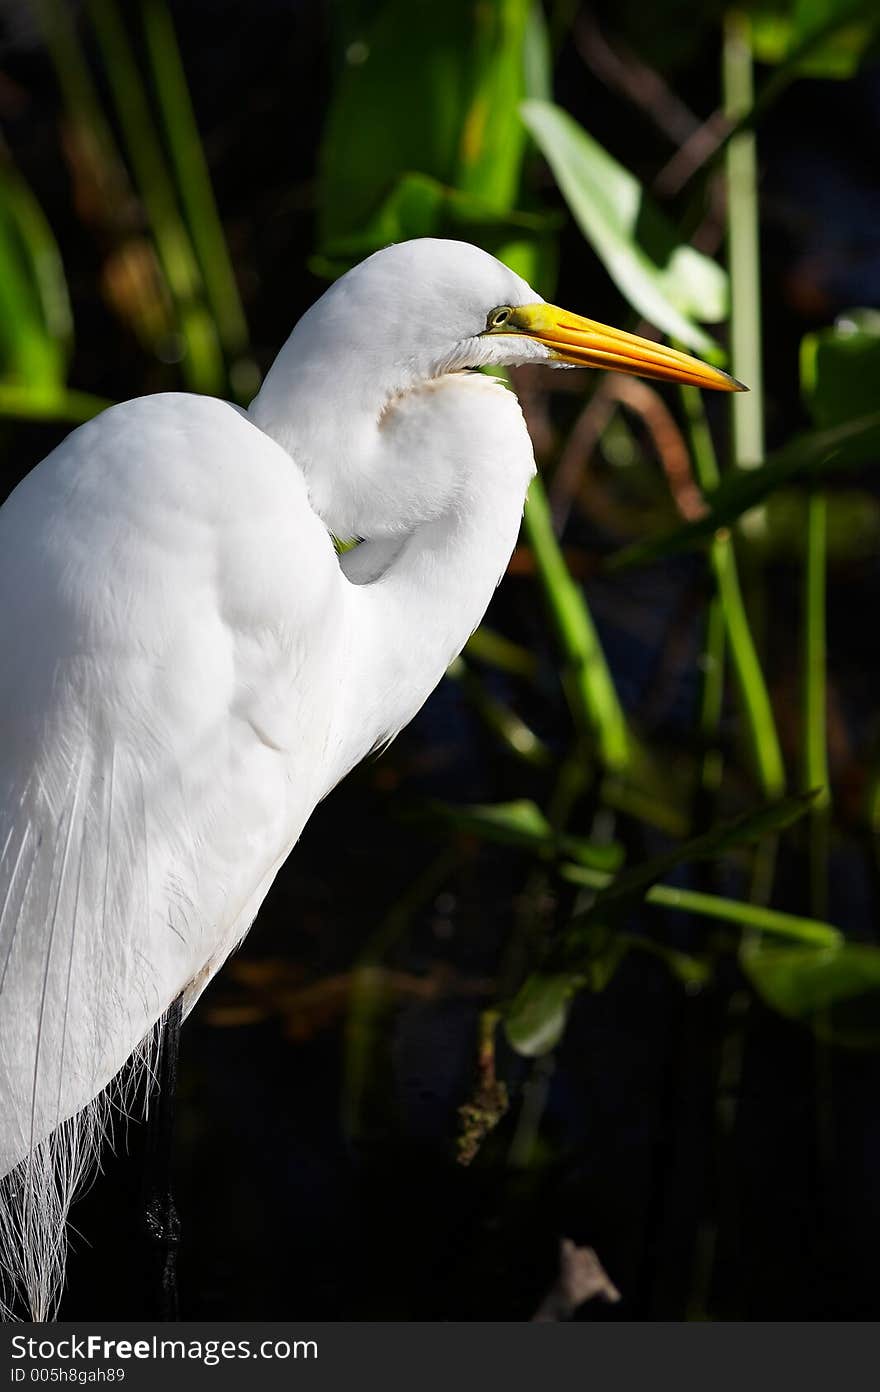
[(369, 993), (815, 742), (43, 257), (590, 688), (743, 248), (752, 917), (202, 363), (507, 727), (197, 195), (485, 645), (815, 774), (760, 724), (790, 69), (75, 80), (712, 695), (712, 698)]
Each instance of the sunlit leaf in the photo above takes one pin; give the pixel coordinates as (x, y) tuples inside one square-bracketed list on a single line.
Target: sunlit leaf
[(492, 137), (431, 90), (669, 283), (537, 56)]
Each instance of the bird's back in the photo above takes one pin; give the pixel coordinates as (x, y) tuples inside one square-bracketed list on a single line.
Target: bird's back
[(171, 632)]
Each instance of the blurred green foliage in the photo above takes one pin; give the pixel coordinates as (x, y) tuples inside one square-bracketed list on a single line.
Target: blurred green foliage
[(425, 137), (442, 122)]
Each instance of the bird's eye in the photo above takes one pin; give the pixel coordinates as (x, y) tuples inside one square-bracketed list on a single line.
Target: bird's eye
[(499, 317)]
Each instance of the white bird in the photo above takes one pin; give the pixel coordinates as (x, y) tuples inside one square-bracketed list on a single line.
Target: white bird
[(188, 667)]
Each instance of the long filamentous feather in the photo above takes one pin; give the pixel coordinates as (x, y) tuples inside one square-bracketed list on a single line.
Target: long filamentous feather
[(36, 1195)]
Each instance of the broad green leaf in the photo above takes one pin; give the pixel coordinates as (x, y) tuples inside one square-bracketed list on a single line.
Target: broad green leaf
[(821, 38), (813, 455), (670, 284), (397, 107), (492, 137), (421, 206), (836, 990), (533, 257), (536, 1018), (840, 368), (537, 55), (798, 981), (426, 89)]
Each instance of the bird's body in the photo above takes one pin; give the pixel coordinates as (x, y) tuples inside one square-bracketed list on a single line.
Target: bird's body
[(188, 668)]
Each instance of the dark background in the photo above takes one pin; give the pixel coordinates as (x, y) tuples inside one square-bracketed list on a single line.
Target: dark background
[(720, 1160)]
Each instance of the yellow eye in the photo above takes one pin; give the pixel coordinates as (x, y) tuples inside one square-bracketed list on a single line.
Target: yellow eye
[(499, 317)]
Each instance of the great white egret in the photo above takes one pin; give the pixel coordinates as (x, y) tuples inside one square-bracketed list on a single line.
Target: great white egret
[(188, 667)]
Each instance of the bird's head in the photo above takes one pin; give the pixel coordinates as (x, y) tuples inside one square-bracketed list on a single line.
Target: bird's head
[(423, 308), (413, 313)]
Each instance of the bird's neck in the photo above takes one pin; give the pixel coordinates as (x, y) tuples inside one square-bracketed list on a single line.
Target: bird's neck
[(436, 485), (415, 596), (430, 593)]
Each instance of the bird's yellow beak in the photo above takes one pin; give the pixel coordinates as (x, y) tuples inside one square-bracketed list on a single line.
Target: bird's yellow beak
[(585, 343)]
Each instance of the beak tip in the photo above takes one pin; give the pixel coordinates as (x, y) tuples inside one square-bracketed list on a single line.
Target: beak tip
[(739, 386)]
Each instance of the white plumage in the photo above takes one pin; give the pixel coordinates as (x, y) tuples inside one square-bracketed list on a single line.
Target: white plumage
[(188, 668)]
